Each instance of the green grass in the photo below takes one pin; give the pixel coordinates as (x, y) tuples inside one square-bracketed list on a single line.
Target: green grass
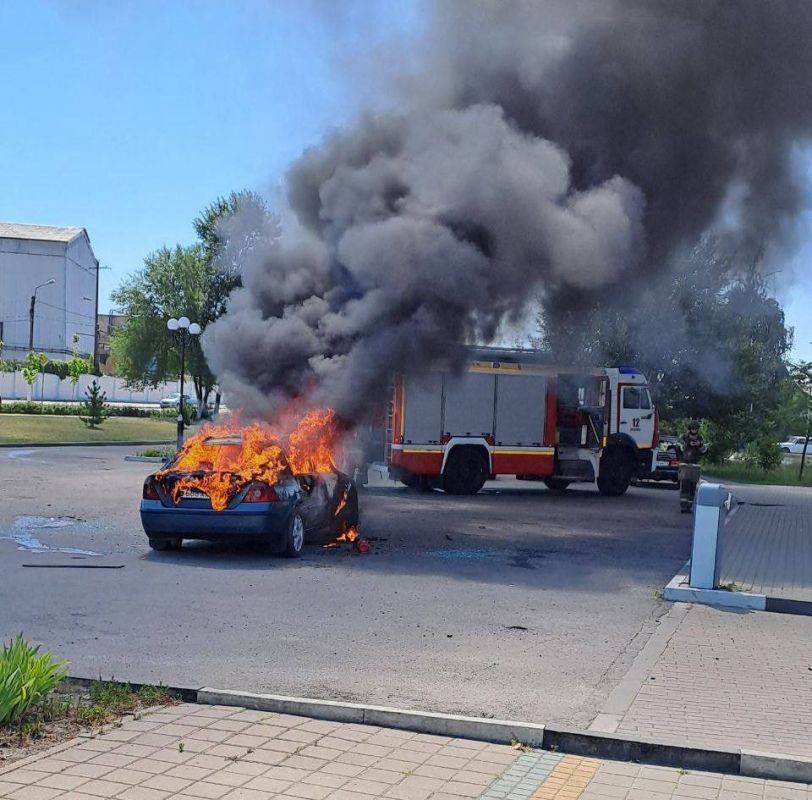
[(26, 677), (157, 452), (63, 712), (28, 428), (785, 475)]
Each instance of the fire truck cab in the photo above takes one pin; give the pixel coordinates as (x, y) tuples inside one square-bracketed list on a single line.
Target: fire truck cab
[(507, 413)]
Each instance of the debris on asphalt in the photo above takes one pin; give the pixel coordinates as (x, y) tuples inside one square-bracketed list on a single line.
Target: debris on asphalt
[(75, 566)]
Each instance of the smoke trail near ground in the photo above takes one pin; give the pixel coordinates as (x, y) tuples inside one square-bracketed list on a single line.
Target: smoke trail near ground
[(568, 149)]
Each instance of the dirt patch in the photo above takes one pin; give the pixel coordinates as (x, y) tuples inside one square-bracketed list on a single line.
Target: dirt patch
[(75, 708)]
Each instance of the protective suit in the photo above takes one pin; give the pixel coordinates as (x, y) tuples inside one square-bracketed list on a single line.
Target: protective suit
[(693, 447)]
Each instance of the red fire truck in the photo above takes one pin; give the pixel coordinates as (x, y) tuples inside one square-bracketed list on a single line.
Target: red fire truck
[(507, 413)]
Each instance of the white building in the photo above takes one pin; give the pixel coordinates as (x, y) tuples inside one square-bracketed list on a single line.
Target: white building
[(58, 266)]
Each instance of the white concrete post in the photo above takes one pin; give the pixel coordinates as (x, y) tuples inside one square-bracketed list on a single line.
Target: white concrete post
[(709, 515)]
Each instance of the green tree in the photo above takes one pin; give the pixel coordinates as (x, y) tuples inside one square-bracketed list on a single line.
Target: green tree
[(193, 281), (32, 366), (94, 405), (801, 376), (77, 366), (711, 339)]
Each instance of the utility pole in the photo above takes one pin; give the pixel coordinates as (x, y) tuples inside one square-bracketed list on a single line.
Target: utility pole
[(186, 329), (31, 313)]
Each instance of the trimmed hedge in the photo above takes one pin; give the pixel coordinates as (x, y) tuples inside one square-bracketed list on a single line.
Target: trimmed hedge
[(75, 409), (59, 368)]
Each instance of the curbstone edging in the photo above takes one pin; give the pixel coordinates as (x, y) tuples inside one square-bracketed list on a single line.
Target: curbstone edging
[(775, 766), (678, 591), (489, 730), (562, 740), (641, 751)]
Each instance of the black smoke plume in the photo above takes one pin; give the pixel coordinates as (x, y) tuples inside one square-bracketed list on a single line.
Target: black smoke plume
[(569, 150)]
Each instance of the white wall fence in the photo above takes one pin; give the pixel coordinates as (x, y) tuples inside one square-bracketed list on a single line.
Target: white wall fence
[(50, 387)]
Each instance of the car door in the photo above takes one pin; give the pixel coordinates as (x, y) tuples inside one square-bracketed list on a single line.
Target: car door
[(315, 501), (636, 413)]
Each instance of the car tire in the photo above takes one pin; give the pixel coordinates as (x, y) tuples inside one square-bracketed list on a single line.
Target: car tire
[(465, 471), (294, 536), (556, 484), (786, 450), (163, 543)]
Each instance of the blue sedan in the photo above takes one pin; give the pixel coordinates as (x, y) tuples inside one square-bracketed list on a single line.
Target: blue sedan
[(296, 509)]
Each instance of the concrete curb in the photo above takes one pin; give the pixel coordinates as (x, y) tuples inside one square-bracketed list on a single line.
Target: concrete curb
[(146, 459), (678, 591), (564, 740), (595, 744), (776, 767), (488, 730), (26, 445)]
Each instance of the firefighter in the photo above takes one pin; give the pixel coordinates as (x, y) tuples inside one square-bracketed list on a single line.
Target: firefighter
[(693, 447)]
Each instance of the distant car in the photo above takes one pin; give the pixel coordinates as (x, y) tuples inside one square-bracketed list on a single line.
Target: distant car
[(666, 460), (294, 510), (795, 444), (173, 400)]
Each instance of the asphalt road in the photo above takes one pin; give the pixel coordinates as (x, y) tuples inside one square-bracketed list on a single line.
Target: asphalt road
[(514, 603)]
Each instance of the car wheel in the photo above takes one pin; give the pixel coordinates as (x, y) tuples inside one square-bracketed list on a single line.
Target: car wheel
[(165, 543), (785, 450), (294, 536)]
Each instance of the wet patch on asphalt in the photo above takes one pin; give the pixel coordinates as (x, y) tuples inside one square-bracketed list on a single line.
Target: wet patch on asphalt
[(27, 533)]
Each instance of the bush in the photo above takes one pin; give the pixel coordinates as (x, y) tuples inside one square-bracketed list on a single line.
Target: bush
[(763, 454), (75, 409), (59, 368), (26, 677)]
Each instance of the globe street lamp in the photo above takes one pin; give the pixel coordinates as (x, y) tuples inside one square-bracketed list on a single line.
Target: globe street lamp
[(31, 312), (186, 329)]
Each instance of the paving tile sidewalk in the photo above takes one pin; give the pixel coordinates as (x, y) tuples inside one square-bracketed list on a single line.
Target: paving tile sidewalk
[(766, 545), (195, 752), (725, 679)]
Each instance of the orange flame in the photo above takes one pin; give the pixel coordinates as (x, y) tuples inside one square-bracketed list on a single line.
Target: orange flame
[(264, 454)]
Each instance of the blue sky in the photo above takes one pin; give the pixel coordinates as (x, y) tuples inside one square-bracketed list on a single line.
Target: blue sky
[(127, 118)]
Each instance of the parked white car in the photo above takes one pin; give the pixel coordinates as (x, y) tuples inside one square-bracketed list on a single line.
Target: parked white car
[(795, 444), (173, 400)]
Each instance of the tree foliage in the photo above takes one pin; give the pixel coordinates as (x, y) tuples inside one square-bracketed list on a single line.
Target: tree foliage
[(94, 406), (193, 281), (711, 339)]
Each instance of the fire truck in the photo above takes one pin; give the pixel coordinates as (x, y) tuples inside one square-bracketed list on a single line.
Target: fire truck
[(508, 413)]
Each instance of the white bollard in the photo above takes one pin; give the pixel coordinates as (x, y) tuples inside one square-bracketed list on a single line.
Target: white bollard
[(709, 514)]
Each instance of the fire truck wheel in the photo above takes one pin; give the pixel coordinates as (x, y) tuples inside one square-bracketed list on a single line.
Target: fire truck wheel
[(466, 471), (556, 484), (616, 472), (294, 536)]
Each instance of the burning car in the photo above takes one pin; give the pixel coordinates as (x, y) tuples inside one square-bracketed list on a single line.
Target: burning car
[(252, 483)]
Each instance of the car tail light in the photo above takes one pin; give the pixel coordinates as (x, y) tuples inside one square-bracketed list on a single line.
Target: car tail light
[(150, 491), (260, 493)]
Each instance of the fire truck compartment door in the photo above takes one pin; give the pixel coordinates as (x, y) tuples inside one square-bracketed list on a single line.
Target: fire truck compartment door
[(520, 410), (423, 400), (469, 404)]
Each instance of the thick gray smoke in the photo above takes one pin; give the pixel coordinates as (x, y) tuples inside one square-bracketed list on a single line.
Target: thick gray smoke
[(563, 149)]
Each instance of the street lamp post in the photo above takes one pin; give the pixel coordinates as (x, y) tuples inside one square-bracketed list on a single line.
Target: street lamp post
[(186, 329), (31, 313)]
